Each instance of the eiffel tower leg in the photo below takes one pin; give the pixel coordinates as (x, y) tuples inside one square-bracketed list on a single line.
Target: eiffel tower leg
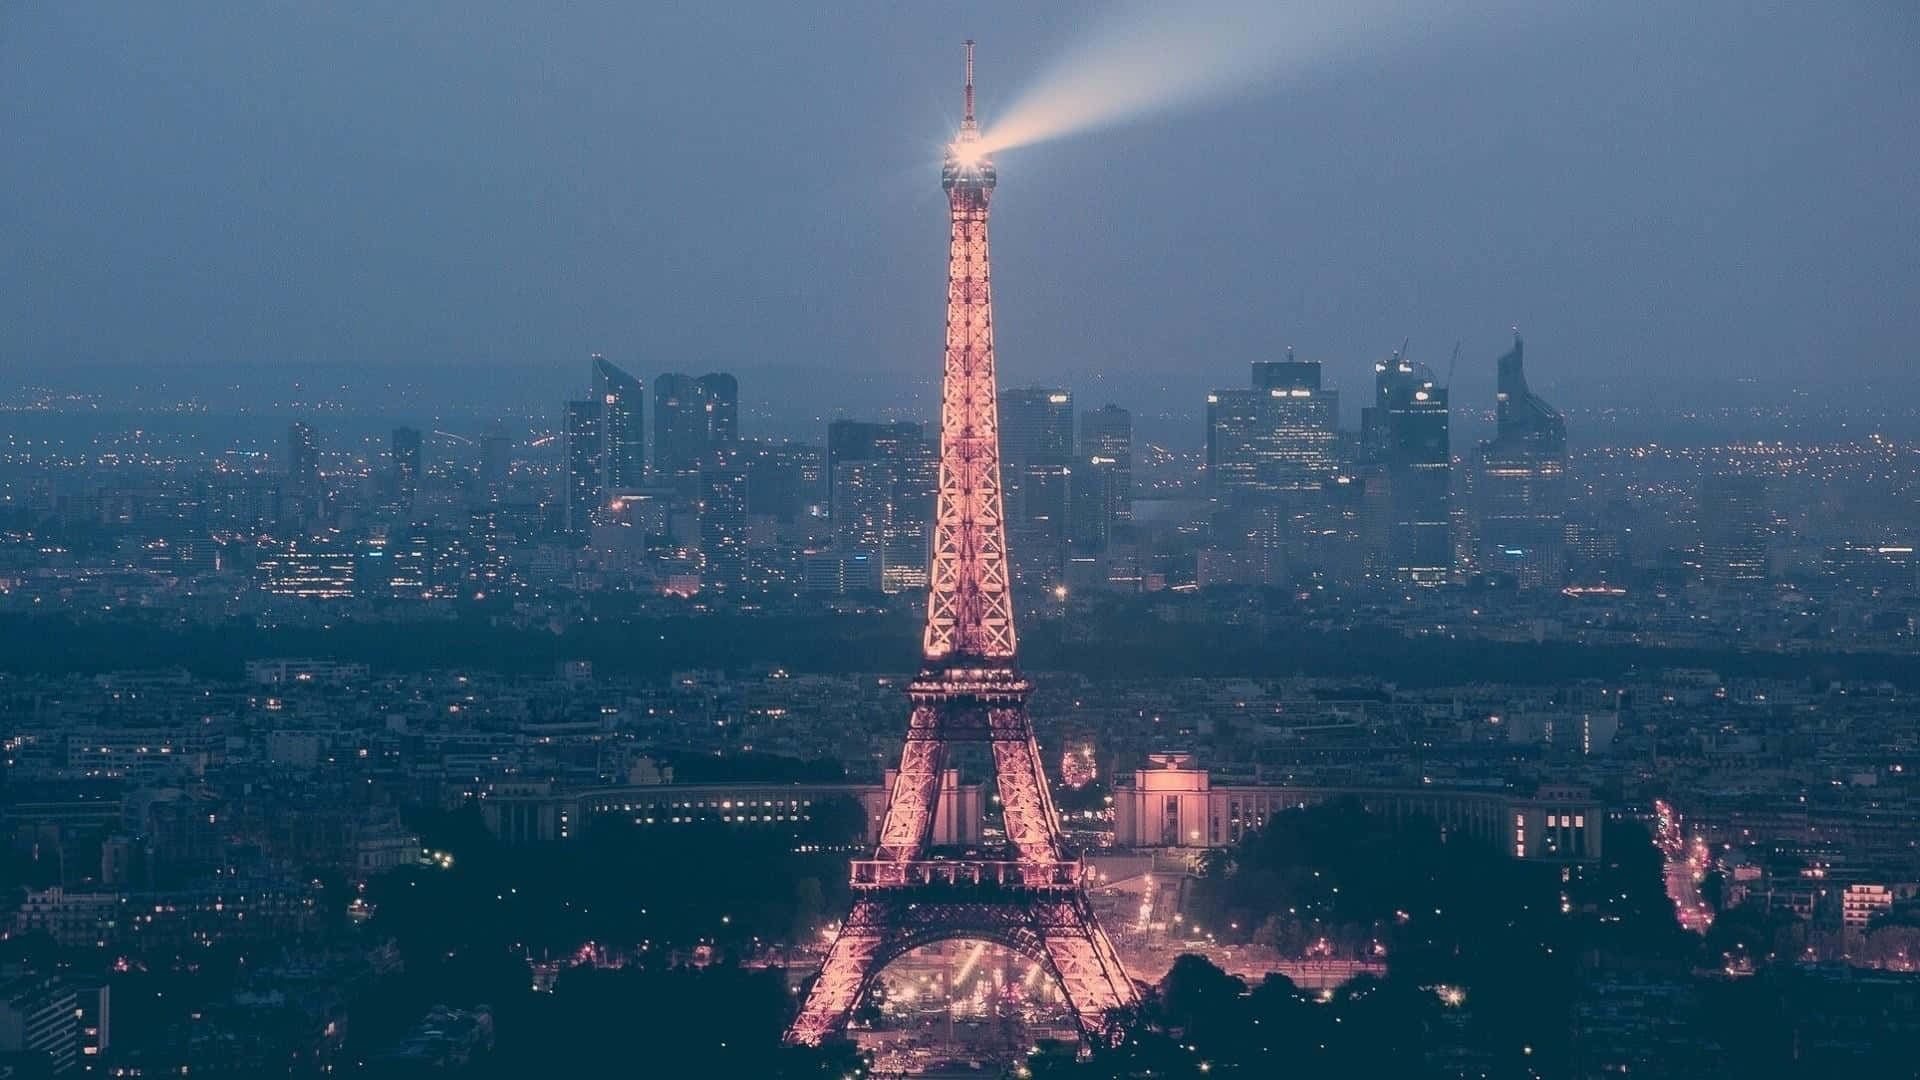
[(908, 827), (1088, 967), (1033, 827), (848, 967)]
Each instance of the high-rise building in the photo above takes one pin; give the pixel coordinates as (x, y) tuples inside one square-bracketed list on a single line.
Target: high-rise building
[(679, 426), (864, 440), (862, 505), (1036, 424), (1520, 483), (1278, 437), (692, 417), (723, 528), (623, 425), (782, 479), (916, 486), (882, 479), (584, 456), (722, 392), (406, 464), (1407, 437), (1304, 419), (1095, 487), (1036, 462), (1107, 432), (1237, 434), (1736, 523)]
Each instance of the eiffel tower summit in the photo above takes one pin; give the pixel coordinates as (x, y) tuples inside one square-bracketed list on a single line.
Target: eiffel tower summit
[(1032, 897)]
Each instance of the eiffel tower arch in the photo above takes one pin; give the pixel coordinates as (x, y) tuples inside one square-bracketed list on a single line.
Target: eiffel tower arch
[(1031, 899)]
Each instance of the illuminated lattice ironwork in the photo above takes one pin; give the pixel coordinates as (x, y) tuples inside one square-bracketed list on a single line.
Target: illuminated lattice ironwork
[(1033, 901), (969, 609)]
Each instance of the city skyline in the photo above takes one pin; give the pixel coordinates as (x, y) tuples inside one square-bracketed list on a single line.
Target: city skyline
[(1523, 717)]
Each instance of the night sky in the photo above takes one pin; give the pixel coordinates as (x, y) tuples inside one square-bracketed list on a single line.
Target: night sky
[(1713, 188)]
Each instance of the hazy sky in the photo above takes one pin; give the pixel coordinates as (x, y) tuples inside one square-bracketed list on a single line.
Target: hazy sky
[(1644, 187)]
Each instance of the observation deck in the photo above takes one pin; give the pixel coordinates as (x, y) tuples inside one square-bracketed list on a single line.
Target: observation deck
[(967, 874)]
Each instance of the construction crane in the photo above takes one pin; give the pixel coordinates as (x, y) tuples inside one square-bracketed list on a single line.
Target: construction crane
[(1452, 362)]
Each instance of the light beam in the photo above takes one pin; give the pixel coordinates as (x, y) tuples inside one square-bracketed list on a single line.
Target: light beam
[(1143, 58)]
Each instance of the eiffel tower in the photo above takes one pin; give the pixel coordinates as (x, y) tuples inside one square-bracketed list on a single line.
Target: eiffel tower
[(1033, 899)]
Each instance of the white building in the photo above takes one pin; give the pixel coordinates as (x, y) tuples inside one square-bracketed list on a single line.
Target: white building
[(1173, 803)]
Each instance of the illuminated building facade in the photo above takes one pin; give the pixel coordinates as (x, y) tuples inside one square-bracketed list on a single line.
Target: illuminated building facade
[(1303, 420), (604, 445), (1277, 437), (584, 453), (1174, 803), (623, 425), (1236, 435), (309, 570), (723, 528), (1736, 522), (881, 494), (540, 817)]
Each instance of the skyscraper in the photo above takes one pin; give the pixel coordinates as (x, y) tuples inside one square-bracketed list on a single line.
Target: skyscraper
[(679, 426), (623, 426), (882, 479), (782, 478), (1036, 436), (1303, 418), (1108, 432), (1407, 438), (1237, 434), (1094, 494), (723, 527), (1036, 424), (303, 460), (1276, 438), (1102, 480), (866, 440), (583, 453), (1520, 484), (692, 417), (722, 392), (1736, 522)]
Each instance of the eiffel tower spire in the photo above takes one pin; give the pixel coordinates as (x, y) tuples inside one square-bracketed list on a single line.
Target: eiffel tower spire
[(969, 605)]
